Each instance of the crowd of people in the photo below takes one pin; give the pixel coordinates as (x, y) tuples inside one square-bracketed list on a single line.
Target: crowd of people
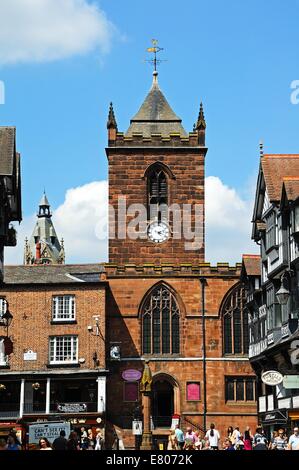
[(86, 439), (234, 439)]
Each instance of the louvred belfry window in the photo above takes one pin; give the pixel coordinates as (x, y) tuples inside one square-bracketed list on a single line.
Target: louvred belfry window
[(160, 323), (157, 194), (235, 322)]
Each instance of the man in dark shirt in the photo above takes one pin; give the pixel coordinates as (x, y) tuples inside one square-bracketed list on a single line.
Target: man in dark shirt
[(60, 443)]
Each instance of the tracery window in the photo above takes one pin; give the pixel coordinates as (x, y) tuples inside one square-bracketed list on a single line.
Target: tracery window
[(160, 323), (235, 323)]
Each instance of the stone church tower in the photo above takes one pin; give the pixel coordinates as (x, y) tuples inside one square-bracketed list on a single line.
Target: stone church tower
[(44, 246), (157, 165), (160, 284)]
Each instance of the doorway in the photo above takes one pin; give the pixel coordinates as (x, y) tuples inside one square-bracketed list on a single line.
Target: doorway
[(163, 404)]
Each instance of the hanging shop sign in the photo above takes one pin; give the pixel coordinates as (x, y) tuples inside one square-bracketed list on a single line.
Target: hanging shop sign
[(291, 381), (272, 377)]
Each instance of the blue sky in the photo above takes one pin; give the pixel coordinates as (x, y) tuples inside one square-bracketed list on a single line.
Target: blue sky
[(239, 58)]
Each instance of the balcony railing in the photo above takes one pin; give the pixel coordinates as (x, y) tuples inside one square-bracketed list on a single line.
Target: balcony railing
[(9, 410)]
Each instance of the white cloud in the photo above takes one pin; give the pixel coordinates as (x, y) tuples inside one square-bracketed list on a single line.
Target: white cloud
[(78, 221), (46, 30), (228, 223), (82, 218)]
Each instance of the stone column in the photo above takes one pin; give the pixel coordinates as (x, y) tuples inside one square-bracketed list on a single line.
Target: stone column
[(22, 395), (101, 405), (147, 438), (48, 395)]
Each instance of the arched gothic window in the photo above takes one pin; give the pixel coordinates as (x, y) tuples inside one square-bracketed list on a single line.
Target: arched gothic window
[(160, 322), (235, 322), (157, 194)]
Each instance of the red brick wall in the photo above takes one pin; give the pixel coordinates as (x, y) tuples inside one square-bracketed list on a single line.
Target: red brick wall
[(124, 325), (126, 178), (31, 326)]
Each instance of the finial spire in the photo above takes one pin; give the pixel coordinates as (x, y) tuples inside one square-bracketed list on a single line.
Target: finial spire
[(111, 123), (261, 148), (201, 123)]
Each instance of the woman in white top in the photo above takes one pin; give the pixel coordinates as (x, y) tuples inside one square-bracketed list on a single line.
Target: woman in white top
[(213, 437)]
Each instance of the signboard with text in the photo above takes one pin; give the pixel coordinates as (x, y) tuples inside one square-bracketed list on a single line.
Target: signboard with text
[(72, 407), (291, 381), (48, 430)]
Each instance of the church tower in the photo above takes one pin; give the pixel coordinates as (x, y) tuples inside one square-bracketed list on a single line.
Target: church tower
[(156, 186), (44, 246)]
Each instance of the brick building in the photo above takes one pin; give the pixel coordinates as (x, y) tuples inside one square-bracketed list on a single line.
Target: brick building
[(54, 365), (156, 271)]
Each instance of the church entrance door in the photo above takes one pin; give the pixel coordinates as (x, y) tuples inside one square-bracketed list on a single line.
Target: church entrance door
[(163, 404)]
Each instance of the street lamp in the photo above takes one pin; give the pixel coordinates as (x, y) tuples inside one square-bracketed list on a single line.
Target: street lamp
[(203, 284), (6, 317), (283, 293)]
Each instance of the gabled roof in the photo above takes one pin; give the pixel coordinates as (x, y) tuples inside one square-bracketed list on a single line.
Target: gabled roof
[(155, 116), (252, 264), (277, 167), (7, 150), (291, 185), (274, 170)]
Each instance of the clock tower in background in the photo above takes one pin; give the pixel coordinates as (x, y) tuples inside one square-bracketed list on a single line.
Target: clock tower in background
[(156, 186)]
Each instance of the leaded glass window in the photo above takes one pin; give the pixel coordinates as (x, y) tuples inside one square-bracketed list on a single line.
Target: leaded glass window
[(160, 323), (235, 322)]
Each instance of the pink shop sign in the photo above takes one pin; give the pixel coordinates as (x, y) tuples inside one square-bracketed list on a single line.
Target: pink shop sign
[(130, 375)]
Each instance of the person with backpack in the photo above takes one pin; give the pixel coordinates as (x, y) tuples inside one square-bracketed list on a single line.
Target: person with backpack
[(260, 441)]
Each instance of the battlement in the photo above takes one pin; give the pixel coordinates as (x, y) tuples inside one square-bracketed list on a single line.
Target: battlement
[(172, 270), (155, 140)]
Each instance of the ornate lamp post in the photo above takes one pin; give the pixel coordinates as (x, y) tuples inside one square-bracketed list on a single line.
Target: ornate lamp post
[(146, 390)]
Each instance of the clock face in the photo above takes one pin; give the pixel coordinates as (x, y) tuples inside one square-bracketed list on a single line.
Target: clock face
[(158, 232)]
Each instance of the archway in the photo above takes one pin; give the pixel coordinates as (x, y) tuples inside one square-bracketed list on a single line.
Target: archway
[(165, 400)]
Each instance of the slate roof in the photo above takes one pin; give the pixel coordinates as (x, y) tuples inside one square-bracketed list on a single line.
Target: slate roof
[(155, 116), (52, 274), (275, 169), (252, 264), (7, 150)]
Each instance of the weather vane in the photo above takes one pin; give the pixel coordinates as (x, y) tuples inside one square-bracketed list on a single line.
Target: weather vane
[(155, 49)]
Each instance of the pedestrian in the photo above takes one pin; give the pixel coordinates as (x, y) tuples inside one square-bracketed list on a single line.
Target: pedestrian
[(171, 445), (248, 438), (230, 431), (72, 443), (44, 444), (3, 444), (83, 439), (235, 435), (99, 440), (280, 441), (198, 442), (179, 437), (60, 443), (12, 442), (293, 443), (260, 441), (91, 440), (228, 445), (213, 437), (239, 445)]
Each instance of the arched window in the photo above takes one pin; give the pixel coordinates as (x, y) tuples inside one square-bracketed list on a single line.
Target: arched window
[(157, 194), (235, 322), (160, 322)]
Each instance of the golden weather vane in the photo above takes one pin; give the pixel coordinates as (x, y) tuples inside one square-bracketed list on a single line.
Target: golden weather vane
[(155, 49)]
